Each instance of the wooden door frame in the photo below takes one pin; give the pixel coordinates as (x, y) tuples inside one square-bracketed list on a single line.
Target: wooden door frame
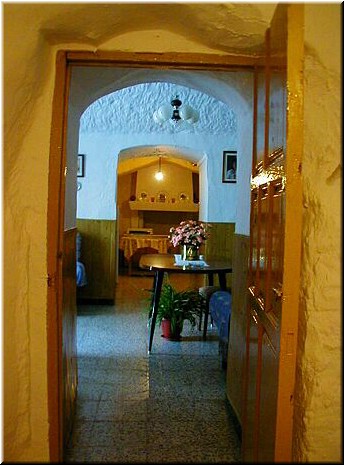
[(55, 224), (56, 189), (288, 325), (293, 234)]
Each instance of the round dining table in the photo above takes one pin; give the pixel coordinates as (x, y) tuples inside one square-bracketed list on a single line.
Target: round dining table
[(166, 263)]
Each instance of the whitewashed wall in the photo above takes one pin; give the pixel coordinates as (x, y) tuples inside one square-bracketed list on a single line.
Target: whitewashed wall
[(97, 197)]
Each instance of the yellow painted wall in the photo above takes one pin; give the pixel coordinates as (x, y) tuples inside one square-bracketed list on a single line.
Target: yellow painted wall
[(176, 180), (28, 86), (32, 35)]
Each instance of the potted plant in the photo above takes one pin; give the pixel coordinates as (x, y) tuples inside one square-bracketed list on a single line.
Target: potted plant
[(175, 307)]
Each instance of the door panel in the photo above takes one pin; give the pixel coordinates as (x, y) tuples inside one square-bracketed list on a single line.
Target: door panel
[(268, 401), (277, 123), (250, 440), (254, 267), (275, 246), (264, 243), (55, 254), (260, 118), (69, 348)]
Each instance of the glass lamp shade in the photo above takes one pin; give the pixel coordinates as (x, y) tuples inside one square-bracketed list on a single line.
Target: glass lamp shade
[(185, 114), (162, 114), (188, 114)]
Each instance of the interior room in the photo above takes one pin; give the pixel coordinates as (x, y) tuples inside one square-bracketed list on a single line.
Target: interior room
[(123, 146)]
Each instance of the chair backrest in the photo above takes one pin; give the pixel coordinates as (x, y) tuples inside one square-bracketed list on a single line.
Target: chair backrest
[(135, 258), (172, 250)]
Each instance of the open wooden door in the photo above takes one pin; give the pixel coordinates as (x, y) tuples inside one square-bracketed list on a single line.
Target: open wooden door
[(275, 243), (61, 248)]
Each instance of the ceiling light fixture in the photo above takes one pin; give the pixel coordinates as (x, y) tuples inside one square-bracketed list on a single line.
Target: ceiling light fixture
[(159, 175), (180, 116)]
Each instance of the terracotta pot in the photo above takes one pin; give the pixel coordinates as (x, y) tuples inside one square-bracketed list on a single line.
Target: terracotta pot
[(167, 332), (166, 328)]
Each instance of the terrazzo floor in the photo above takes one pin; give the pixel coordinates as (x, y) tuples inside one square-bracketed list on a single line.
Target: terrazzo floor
[(166, 407)]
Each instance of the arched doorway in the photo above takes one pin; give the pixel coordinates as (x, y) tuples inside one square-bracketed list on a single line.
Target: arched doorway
[(66, 185), (126, 116)]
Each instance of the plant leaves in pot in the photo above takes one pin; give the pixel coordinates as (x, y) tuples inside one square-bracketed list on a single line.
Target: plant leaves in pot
[(176, 307)]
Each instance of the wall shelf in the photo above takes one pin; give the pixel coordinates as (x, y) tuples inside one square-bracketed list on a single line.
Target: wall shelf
[(184, 206)]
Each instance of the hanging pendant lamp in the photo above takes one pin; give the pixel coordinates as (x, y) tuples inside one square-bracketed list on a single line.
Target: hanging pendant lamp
[(179, 115)]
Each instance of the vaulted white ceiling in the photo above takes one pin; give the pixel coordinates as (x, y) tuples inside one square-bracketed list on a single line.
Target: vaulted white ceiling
[(130, 111)]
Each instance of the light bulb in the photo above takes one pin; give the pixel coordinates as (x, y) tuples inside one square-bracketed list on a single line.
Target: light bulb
[(159, 176)]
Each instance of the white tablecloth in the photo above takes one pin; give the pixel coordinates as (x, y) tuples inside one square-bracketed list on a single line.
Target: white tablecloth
[(129, 243)]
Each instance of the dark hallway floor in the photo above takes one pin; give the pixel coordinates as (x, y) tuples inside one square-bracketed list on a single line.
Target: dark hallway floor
[(166, 407)]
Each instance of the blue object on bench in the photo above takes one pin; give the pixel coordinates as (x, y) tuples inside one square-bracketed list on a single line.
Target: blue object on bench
[(81, 278), (220, 307)]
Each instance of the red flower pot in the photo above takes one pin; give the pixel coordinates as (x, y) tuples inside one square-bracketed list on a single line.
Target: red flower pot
[(167, 331)]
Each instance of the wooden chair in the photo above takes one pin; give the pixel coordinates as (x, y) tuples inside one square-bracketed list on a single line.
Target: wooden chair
[(220, 307), (133, 264), (206, 292), (173, 250)]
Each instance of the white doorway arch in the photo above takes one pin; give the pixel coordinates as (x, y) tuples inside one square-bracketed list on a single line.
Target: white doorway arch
[(234, 89)]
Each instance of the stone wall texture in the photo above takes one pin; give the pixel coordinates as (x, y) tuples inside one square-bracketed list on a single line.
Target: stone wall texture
[(318, 391)]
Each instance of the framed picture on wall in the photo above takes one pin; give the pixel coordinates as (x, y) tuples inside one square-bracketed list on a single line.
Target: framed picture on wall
[(229, 167), (81, 166)]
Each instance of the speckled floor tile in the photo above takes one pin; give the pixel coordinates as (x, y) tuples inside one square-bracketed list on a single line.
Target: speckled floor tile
[(166, 407), (127, 410), (119, 433)]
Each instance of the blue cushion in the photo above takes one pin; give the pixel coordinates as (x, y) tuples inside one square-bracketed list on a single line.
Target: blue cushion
[(78, 246), (220, 307)]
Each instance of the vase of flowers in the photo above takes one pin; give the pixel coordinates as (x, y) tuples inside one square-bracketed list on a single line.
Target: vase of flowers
[(190, 252), (189, 235)]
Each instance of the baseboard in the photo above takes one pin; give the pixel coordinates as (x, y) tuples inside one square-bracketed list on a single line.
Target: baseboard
[(89, 301), (233, 415)]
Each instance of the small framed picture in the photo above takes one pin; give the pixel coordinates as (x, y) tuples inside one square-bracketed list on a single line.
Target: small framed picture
[(81, 166), (229, 169)]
